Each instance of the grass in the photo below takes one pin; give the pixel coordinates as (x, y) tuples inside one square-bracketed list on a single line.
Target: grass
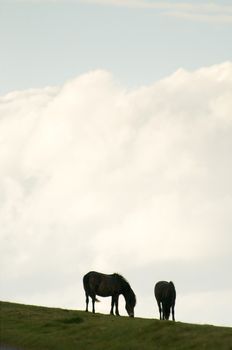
[(38, 328)]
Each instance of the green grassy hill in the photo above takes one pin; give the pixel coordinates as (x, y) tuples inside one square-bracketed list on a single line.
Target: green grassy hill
[(38, 328)]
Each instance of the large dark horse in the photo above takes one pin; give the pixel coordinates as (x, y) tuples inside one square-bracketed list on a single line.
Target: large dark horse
[(165, 295), (96, 283)]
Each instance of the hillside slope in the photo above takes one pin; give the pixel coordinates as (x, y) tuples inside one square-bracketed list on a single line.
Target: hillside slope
[(38, 328)]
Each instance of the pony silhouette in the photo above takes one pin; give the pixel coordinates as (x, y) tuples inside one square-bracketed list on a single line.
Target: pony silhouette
[(96, 283), (165, 295)]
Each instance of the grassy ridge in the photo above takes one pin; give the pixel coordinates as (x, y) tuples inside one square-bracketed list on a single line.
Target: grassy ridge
[(39, 328)]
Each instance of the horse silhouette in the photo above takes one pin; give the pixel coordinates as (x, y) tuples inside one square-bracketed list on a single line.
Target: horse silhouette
[(96, 283), (165, 295)]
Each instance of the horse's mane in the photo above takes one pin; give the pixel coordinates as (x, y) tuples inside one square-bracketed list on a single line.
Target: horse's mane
[(128, 288), (120, 276), (123, 279)]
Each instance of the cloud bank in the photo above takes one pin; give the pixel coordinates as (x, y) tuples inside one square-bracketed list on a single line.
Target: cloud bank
[(94, 176)]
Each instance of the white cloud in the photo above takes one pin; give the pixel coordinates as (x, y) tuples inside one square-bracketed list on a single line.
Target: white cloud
[(97, 177)]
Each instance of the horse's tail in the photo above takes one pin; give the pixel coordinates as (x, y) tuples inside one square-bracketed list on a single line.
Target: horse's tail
[(86, 282), (87, 286), (173, 289)]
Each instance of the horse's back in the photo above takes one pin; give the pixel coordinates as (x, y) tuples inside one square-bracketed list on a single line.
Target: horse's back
[(160, 287), (90, 273), (164, 289), (90, 278), (105, 284), (96, 280)]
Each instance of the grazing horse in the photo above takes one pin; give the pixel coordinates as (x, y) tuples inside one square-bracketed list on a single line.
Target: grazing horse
[(96, 283), (165, 295)]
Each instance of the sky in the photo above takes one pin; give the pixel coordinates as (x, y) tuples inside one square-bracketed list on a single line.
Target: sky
[(116, 135), (47, 42)]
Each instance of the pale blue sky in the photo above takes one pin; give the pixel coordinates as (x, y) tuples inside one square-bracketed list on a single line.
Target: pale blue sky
[(44, 42)]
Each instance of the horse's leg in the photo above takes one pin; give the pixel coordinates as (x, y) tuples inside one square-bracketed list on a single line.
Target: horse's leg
[(112, 305), (160, 310), (93, 302), (116, 305), (87, 302), (173, 312)]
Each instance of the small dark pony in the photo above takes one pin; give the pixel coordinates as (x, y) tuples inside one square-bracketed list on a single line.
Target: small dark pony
[(96, 283), (165, 295)]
